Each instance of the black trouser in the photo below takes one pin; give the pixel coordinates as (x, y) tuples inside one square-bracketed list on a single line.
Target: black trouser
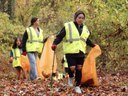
[(75, 61), (19, 68)]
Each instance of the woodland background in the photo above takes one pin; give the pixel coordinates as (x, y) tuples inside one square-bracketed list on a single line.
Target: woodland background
[(107, 20)]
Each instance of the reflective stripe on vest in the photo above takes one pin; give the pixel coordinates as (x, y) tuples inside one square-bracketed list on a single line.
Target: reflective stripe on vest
[(70, 35), (31, 39), (34, 42), (77, 39), (73, 41), (16, 53), (16, 57)]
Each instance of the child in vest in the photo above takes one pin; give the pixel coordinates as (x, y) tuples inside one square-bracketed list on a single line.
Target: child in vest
[(15, 58)]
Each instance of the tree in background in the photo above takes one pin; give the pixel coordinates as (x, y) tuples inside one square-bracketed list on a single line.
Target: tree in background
[(3, 7), (11, 8)]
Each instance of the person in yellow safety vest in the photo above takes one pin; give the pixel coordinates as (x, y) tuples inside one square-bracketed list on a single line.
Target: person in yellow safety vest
[(15, 54), (75, 38), (33, 45), (65, 65)]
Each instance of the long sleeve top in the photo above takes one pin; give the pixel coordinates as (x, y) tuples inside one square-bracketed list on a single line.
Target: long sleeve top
[(62, 34), (24, 39)]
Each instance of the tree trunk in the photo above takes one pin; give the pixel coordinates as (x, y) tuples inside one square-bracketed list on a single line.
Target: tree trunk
[(2, 5), (10, 11)]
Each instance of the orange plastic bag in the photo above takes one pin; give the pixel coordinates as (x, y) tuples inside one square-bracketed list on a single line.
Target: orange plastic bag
[(89, 75), (46, 60), (39, 70), (26, 65)]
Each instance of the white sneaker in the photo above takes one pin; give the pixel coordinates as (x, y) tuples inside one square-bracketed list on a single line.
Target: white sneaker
[(78, 90), (70, 80), (38, 78), (54, 78)]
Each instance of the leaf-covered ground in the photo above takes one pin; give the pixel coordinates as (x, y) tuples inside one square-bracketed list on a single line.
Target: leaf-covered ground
[(110, 85)]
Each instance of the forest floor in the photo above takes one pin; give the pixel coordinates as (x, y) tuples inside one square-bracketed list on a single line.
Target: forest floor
[(110, 85)]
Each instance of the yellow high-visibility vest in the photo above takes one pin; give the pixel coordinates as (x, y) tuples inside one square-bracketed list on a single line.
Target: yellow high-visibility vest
[(34, 42), (65, 62), (16, 57), (73, 42), (60, 76)]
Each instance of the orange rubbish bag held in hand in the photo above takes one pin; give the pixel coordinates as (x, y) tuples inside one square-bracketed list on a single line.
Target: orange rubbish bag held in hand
[(89, 75), (46, 60), (25, 63)]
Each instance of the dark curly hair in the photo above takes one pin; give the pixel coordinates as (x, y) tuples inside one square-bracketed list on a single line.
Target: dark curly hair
[(15, 45), (33, 20)]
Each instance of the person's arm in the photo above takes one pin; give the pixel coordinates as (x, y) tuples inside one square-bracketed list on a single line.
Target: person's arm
[(11, 54), (60, 36), (11, 57), (90, 43), (24, 40)]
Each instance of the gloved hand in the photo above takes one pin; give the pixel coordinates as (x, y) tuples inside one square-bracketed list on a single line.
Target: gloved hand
[(24, 53), (54, 47)]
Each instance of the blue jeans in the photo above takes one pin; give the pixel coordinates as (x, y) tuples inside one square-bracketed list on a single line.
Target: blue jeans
[(32, 59)]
